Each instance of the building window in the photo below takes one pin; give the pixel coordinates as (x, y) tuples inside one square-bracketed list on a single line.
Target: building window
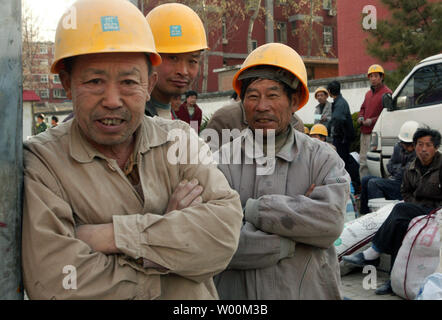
[(327, 4), (43, 78), (42, 49), (44, 94), (281, 32), (43, 62), (224, 30), (328, 37), (56, 79), (281, 2), (59, 93), (293, 26), (254, 44)]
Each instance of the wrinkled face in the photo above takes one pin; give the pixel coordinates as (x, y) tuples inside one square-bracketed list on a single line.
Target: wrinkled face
[(425, 150), (108, 92), (267, 106), (176, 74), (375, 79), (321, 97)]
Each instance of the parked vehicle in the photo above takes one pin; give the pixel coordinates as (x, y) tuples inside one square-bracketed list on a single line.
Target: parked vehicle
[(418, 97)]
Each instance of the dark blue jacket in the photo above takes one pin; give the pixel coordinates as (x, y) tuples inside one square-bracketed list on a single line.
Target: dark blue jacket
[(399, 161), (341, 124)]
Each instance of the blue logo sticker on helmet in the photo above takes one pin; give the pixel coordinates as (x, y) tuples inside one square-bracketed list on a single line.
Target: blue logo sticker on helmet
[(109, 23), (175, 31)]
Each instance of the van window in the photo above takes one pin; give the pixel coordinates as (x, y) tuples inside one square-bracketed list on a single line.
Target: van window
[(422, 89)]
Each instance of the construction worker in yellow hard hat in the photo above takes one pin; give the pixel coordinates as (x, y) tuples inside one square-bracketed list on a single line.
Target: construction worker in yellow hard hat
[(104, 198), (180, 39), (285, 184), (323, 110), (370, 110), (319, 131), (280, 62)]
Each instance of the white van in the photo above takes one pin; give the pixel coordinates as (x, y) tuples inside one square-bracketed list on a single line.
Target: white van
[(418, 97)]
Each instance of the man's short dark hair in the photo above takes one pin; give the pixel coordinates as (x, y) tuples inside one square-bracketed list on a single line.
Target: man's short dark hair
[(426, 131), (41, 116), (54, 118), (334, 88), (191, 93)]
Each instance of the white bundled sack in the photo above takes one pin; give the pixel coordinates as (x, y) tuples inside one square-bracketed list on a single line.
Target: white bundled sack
[(358, 233), (432, 288), (418, 256)]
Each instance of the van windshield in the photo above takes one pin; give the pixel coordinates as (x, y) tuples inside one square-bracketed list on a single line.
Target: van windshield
[(422, 89)]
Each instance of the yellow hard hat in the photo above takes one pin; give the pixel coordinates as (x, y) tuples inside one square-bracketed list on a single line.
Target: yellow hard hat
[(100, 26), (306, 130), (278, 55), (319, 129), (321, 89), (177, 29), (375, 68)]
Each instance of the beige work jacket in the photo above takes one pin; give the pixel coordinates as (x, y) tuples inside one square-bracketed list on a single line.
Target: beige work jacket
[(286, 248), (67, 183)]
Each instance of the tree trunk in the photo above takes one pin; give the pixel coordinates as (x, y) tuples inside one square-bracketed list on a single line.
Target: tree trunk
[(251, 23)]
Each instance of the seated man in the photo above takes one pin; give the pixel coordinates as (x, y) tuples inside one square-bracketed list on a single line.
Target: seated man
[(422, 193), (292, 188), (106, 214), (374, 187)]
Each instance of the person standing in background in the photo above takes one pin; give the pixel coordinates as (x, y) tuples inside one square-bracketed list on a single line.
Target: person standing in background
[(189, 110), (342, 132), (180, 39), (370, 110), (323, 109), (54, 121), (41, 125), (175, 103)]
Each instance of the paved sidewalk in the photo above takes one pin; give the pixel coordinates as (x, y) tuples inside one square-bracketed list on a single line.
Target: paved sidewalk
[(352, 286)]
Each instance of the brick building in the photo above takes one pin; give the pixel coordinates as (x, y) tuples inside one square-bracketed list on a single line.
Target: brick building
[(353, 58), (277, 21), (47, 86)]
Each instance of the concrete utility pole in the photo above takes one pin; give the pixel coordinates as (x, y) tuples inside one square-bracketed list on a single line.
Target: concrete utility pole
[(11, 150)]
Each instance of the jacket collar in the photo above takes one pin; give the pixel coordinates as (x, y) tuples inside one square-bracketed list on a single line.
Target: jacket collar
[(148, 135), (376, 89), (286, 152), (338, 97), (435, 164)]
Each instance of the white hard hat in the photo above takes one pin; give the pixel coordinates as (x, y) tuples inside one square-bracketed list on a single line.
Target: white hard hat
[(407, 131)]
